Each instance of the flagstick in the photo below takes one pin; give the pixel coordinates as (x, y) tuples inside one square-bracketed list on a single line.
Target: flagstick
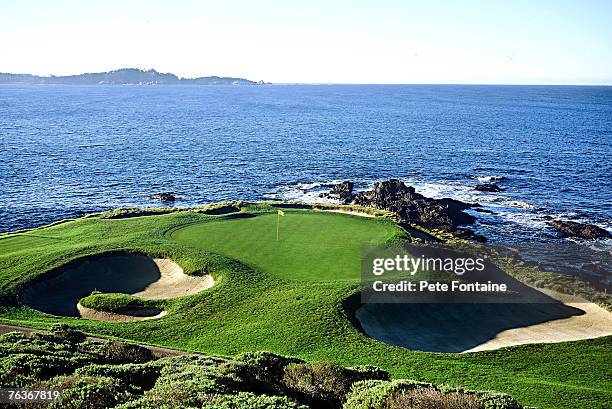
[(277, 224)]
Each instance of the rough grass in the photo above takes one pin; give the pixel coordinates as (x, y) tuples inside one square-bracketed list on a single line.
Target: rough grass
[(251, 308)]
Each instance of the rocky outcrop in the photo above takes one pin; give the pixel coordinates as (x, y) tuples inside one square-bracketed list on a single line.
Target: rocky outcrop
[(582, 230), (488, 187), (164, 197), (342, 191), (393, 195)]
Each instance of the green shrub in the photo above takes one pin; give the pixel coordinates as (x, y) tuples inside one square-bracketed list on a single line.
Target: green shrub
[(141, 377), (365, 372), (373, 394), (396, 394), (19, 370), (267, 366), (122, 353), (247, 400), (69, 334), (89, 392), (319, 382), (431, 398)]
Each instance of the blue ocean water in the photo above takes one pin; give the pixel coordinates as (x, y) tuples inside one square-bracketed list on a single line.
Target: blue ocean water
[(68, 150)]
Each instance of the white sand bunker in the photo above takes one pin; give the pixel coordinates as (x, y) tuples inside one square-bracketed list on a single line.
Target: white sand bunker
[(594, 322), (479, 327), (59, 291)]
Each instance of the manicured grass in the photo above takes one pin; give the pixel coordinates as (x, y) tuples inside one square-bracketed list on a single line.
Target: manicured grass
[(311, 245), (257, 304)]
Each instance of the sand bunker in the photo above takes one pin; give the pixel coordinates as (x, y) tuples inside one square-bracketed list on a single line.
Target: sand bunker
[(594, 322), (479, 327), (59, 291)]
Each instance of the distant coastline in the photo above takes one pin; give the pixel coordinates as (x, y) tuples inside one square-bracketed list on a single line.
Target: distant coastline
[(122, 76)]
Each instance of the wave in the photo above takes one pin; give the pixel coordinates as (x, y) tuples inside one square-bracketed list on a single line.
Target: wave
[(488, 178)]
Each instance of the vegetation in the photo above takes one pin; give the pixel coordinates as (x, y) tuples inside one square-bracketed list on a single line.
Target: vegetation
[(118, 303), (293, 302), (92, 378)]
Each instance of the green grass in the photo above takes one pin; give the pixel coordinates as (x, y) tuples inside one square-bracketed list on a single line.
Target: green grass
[(259, 303), (311, 246), (118, 303)]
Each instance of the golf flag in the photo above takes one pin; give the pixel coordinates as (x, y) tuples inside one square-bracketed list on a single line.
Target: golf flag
[(279, 213)]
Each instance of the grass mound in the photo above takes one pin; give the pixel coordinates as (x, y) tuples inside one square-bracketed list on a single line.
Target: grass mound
[(119, 303)]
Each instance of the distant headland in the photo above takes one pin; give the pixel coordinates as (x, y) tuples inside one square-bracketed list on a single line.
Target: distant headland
[(123, 76)]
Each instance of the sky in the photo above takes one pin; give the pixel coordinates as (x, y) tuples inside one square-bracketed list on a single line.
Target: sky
[(376, 41)]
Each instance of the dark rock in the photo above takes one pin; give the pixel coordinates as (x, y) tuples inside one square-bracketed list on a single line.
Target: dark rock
[(342, 191), (582, 230), (393, 195), (488, 187), (470, 235), (164, 197), (486, 211)]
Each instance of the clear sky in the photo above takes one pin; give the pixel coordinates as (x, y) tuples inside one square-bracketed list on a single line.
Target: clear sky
[(384, 41)]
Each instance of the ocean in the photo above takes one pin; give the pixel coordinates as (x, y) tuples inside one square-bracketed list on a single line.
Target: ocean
[(70, 150)]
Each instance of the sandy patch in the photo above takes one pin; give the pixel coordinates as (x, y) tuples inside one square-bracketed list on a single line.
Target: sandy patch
[(595, 322), (137, 315), (173, 282)]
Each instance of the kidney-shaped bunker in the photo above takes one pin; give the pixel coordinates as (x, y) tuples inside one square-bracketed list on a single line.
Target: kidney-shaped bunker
[(59, 291)]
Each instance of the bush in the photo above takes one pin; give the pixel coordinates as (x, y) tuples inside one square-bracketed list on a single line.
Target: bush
[(141, 377), (122, 353), (266, 366), (319, 382), (247, 400), (408, 394), (89, 392), (63, 331), (373, 394), (25, 369), (430, 398)]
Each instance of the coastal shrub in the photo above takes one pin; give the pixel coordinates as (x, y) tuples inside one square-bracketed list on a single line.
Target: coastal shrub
[(247, 400), (66, 332), (373, 394), (241, 400), (364, 372), (326, 383), (496, 400), (407, 394), (429, 398), (121, 353), (88, 392), (267, 366), (19, 370), (140, 376), (319, 382), (36, 343)]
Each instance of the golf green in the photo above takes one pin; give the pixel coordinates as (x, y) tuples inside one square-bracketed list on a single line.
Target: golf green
[(310, 245)]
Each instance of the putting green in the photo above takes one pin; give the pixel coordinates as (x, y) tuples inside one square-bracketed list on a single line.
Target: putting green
[(311, 246)]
